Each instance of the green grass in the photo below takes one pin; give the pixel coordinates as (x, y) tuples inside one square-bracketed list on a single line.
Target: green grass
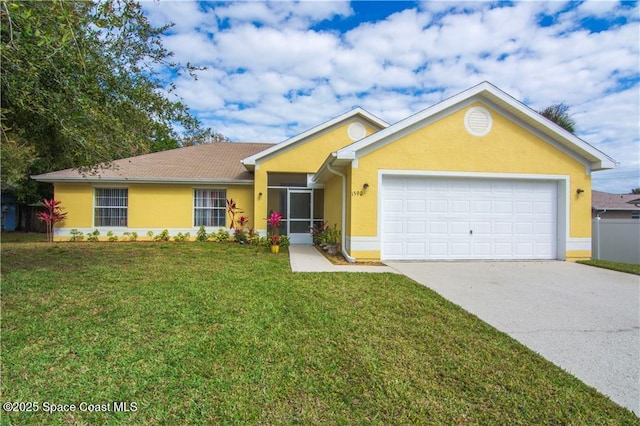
[(616, 266), (22, 237), (219, 333)]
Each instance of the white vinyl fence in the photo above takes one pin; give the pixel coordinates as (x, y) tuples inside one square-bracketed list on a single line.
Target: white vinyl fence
[(616, 240)]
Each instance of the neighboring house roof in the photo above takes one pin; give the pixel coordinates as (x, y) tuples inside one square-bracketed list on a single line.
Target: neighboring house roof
[(214, 162), (495, 98), (358, 112), (605, 201)]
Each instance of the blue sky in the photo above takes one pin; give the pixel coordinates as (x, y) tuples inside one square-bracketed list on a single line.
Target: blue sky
[(275, 69)]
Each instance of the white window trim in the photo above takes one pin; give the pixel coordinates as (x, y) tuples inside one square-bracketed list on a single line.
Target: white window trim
[(93, 211), (193, 207)]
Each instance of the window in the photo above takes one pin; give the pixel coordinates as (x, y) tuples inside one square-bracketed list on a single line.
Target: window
[(110, 207), (209, 207)]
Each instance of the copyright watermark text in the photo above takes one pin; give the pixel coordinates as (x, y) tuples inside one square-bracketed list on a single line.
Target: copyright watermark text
[(50, 407)]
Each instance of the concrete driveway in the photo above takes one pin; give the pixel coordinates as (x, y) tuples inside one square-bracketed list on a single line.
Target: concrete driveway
[(584, 319)]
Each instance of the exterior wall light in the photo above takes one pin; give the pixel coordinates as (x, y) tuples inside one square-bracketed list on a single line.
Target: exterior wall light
[(580, 191)]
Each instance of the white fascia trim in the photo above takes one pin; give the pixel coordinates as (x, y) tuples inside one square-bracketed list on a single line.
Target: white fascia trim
[(486, 175), (365, 243), (125, 182), (251, 161), (579, 244), (142, 232), (563, 201)]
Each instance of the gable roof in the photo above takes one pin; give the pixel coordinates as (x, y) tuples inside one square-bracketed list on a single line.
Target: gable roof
[(501, 102), (217, 162), (358, 112), (606, 201)]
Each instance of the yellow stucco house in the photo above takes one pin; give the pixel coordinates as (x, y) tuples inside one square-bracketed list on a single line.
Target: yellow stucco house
[(477, 176)]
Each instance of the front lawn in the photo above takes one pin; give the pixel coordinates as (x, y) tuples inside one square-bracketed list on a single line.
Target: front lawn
[(198, 333), (629, 268)]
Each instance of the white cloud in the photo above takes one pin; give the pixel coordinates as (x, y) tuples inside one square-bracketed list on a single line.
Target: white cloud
[(280, 13), (186, 16), (270, 49)]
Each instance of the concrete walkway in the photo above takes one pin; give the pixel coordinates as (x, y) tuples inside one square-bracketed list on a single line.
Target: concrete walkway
[(306, 258)]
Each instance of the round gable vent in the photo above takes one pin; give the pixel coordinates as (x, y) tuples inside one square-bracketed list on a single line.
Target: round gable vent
[(356, 131), (478, 121)]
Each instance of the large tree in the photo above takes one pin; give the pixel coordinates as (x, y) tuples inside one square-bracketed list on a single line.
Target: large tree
[(559, 114), (82, 84)]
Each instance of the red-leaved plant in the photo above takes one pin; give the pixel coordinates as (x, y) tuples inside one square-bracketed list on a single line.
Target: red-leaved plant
[(274, 220), (232, 211), (53, 214)]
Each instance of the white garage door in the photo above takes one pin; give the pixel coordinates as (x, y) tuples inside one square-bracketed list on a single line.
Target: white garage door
[(460, 218)]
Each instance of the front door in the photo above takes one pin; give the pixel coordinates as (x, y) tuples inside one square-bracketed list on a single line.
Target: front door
[(299, 216)]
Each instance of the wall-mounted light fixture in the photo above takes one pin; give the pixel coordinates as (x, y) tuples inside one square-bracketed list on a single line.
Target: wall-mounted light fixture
[(259, 195), (365, 186), (580, 191)]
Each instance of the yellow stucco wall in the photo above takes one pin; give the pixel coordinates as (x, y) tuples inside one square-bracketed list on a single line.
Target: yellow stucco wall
[(160, 206), (333, 208), (77, 201), (306, 156), (151, 206), (445, 145)]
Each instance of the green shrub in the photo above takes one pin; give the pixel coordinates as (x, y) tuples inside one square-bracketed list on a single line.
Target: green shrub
[(93, 236), (76, 235), (240, 236), (284, 241), (222, 236), (112, 237), (202, 235), (162, 236), (182, 237), (150, 234), (133, 235)]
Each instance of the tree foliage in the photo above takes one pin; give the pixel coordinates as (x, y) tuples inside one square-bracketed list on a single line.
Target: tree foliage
[(559, 114), (635, 191), (82, 84)]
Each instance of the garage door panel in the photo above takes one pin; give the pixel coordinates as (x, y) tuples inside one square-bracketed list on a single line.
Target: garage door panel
[(417, 227), (392, 205), (459, 228), (416, 206), (544, 228), (503, 228), (460, 206), (503, 206), (481, 207), (460, 250), (438, 249), (438, 206), (482, 250), (451, 218), (394, 227), (417, 249), (481, 228), (524, 228), (524, 207), (502, 249), (438, 228), (524, 250)]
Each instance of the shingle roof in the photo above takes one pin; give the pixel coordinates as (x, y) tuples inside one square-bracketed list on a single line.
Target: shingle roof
[(215, 162), (604, 200)]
